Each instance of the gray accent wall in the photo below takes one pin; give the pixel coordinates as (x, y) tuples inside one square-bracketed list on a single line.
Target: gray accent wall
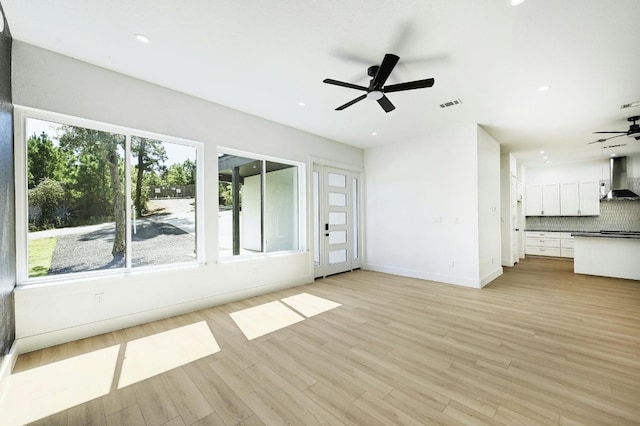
[(7, 198)]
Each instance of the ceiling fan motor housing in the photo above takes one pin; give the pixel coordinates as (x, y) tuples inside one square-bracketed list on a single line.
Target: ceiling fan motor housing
[(377, 88)]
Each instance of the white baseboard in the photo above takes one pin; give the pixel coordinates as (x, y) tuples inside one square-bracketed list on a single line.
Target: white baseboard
[(507, 262), (447, 279), (8, 362), (45, 340), (491, 276)]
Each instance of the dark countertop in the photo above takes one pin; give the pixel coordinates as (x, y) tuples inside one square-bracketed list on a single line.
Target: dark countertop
[(632, 235), (550, 230)]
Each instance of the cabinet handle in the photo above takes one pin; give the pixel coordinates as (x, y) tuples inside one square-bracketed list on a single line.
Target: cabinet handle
[(542, 212)]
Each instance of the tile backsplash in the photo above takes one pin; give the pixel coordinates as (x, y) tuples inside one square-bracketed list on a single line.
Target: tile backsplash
[(633, 184), (621, 215)]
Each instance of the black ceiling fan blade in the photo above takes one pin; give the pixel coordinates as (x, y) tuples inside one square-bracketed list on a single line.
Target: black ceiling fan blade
[(388, 64), (348, 104), (613, 132), (343, 84), (350, 56), (606, 139), (386, 104), (410, 85)]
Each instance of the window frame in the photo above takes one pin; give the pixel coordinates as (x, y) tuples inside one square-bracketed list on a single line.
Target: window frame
[(301, 201), (21, 115)]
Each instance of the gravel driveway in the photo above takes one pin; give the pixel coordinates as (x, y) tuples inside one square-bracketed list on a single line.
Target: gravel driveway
[(163, 238)]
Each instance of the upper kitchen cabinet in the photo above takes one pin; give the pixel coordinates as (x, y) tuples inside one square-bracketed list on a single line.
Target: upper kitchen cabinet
[(579, 199), (543, 200)]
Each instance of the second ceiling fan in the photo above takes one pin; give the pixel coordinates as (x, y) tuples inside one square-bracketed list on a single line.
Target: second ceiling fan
[(377, 89)]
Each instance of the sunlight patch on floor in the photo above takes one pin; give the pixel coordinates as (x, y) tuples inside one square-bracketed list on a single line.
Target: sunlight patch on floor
[(310, 305), (40, 392), (264, 319), (153, 355)]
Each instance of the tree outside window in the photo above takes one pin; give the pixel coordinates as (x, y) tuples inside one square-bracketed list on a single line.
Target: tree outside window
[(77, 205)]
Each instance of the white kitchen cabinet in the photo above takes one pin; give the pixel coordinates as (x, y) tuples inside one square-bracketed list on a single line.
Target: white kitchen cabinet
[(589, 198), (569, 199), (579, 199), (566, 245), (546, 243), (550, 199), (543, 243), (543, 199), (533, 200), (607, 257)]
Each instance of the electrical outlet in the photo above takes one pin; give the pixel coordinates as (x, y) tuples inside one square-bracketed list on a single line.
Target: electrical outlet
[(99, 298)]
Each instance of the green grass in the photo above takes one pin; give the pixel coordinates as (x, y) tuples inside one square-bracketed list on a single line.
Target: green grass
[(40, 256)]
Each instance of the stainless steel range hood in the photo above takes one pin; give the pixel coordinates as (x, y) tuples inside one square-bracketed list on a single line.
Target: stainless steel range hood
[(619, 183)]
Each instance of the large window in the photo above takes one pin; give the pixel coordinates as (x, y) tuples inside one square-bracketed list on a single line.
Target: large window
[(100, 198), (259, 207)]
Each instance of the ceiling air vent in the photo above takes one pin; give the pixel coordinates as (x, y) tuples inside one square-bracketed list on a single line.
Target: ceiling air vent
[(450, 103)]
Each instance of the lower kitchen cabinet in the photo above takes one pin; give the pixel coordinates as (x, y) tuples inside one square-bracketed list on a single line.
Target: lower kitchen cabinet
[(566, 245), (542, 243), (547, 243)]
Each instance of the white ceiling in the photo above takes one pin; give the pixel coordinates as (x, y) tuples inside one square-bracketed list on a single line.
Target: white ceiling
[(264, 57)]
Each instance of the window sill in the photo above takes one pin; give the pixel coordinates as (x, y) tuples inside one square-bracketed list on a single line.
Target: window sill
[(34, 283), (258, 256)]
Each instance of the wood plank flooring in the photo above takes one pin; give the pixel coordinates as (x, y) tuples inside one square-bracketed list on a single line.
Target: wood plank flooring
[(539, 345)]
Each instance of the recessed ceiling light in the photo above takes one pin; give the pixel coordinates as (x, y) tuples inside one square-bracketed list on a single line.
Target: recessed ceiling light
[(142, 38), (515, 2), (374, 133), (541, 152), (543, 88), (545, 158), (302, 104)]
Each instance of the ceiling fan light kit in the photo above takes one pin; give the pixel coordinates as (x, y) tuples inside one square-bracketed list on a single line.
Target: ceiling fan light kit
[(377, 89), (375, 95)]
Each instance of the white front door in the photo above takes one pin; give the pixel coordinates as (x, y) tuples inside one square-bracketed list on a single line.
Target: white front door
[(336, 220)]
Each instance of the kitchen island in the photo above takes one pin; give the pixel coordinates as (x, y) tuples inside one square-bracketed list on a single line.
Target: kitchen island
[(607, 253)]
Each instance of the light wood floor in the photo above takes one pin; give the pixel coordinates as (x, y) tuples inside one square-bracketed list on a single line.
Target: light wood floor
[(539, 345)]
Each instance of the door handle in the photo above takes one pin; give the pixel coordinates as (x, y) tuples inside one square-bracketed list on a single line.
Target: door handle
[(326, 226)]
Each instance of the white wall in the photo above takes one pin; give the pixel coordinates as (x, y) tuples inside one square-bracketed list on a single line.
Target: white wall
[(251, 231), (489, 233), (580, 171), (280, 209), (51, 314), (505, 208), (422, 204)]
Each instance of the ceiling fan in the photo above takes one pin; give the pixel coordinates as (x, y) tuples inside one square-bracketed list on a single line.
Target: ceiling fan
[(634, 130), (377, 89)]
